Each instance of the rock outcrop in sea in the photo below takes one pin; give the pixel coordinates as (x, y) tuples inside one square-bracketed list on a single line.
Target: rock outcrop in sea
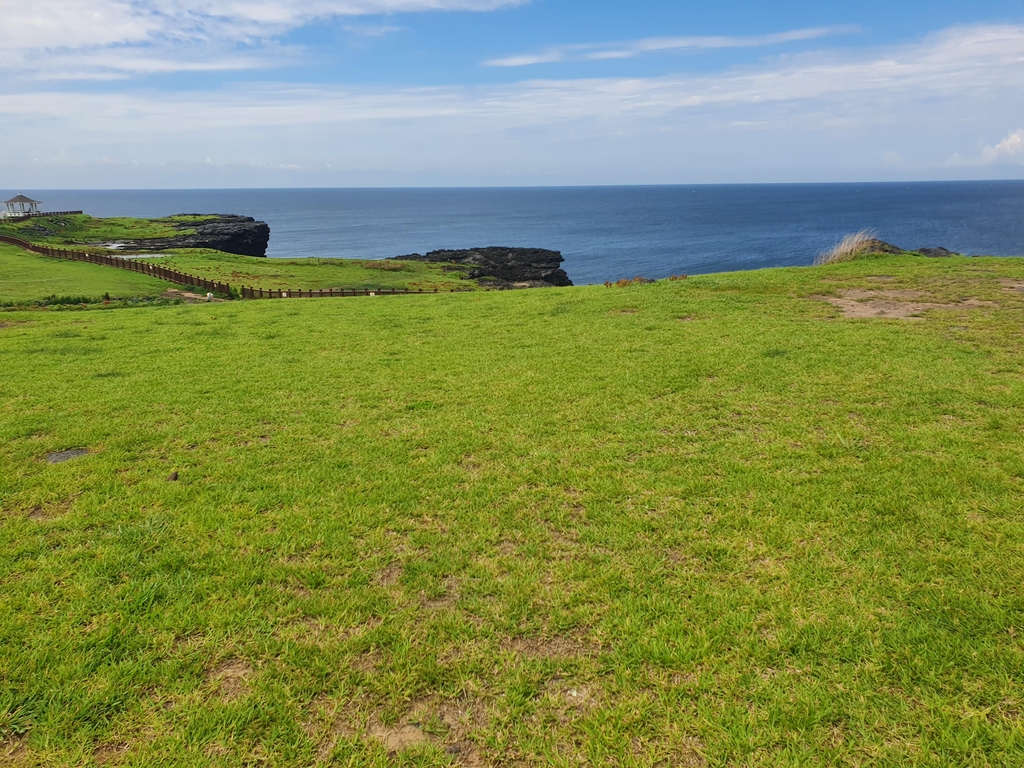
[(504, 267), (242, 235), (880, 246)]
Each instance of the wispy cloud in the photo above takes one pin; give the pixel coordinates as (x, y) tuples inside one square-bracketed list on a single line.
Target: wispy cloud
[(632, 48), (372, 30), (37, 37), (768, 115)]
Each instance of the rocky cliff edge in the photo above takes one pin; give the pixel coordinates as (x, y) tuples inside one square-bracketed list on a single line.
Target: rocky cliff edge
[(242, 235), (504, 267)]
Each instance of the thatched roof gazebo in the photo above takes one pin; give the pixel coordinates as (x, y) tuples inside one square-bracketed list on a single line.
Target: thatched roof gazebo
[(21, 205)]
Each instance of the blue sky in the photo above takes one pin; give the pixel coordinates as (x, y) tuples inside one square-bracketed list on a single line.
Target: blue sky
[(225, 93)]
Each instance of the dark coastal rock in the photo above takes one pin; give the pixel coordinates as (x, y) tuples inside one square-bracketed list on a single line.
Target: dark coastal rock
[(880, 246), (504, 267), (242, 235)]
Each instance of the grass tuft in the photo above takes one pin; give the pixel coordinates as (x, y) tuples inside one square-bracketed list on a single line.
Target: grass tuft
[(848, 249)]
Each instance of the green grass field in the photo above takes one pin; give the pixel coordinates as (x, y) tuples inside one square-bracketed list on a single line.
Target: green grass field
[(316, 273), (62, 230), (704, 522), (27, 277), (253, 272)]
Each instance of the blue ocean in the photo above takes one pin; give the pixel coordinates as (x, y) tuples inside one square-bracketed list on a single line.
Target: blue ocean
[(605, 233)]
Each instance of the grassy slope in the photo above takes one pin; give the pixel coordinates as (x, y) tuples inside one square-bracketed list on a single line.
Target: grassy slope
[(315, 273), (62, 230), (28, 277), (72, 231), (705, 521)]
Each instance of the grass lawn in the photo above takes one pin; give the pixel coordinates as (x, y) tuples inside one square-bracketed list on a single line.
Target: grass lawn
[(315, 273), (59, 231), (255, 272), (705, 522), (27, 277)]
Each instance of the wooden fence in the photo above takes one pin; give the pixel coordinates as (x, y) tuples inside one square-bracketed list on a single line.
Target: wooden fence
[(119, 262), (180, 278), (326, 293), (41, 214)]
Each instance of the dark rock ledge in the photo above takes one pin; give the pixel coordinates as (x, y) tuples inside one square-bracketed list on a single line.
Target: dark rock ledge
[(242, 235), (880, 246), (504, 267)]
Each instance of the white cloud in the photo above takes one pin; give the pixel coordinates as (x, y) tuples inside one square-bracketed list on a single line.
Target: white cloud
[(632, 48), (1011, 148), (36, 37), (372, 30), (817, 112), (1008, 152)]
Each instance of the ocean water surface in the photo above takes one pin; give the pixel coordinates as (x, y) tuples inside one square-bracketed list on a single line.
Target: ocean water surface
[(605, 233)]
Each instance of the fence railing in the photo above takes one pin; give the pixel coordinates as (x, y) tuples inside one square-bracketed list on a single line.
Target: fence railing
[(119, 262), (326, 293), (16, 217), (181, 278)]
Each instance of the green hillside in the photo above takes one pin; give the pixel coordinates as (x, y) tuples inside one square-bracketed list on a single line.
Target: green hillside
[(59, 231), (704, 522), (76, 232), (27, 277)]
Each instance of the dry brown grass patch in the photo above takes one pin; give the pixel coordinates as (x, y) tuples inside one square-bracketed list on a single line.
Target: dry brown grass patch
[(109, 754), (897, 305), (559, 647), (450, 725), (447, 599), (390, 576), (368, 663), (231, 679), (14, 751)]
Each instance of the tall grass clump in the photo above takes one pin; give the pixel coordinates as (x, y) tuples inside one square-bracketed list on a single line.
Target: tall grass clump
[(848, 249)]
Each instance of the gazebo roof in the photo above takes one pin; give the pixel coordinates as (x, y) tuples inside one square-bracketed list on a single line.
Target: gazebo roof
[(22, 199)]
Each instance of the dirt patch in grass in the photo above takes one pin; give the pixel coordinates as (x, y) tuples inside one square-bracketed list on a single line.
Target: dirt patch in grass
[(446, 599), (902, 295), (187, 297), (398, 737), (559, 647), (389, 576), (569, 697), (51, 510), (13, 752), (326, 726), (108, 754), (368, 663), (470, 464), (689, 755), (39, 514), (898, 305), (231, 679), (430, 720)]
